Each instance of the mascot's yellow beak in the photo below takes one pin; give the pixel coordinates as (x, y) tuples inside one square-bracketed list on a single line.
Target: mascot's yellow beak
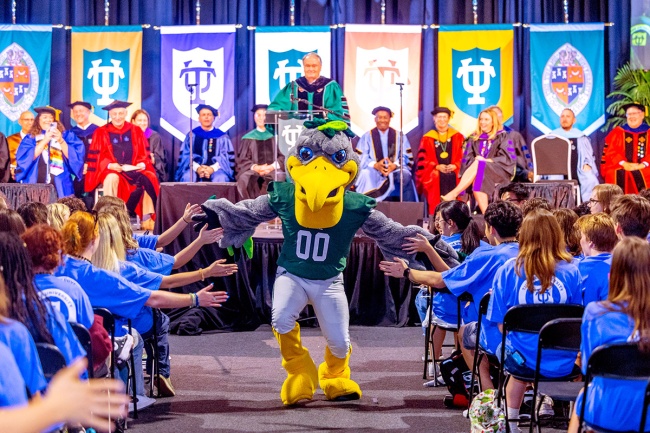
[(320, 186)]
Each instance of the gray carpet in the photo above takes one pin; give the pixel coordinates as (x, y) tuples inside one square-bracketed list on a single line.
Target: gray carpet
[(231, 382)]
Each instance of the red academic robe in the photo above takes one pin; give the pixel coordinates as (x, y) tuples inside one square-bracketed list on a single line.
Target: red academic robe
[(429, 180), (100, 154), (624, 145)]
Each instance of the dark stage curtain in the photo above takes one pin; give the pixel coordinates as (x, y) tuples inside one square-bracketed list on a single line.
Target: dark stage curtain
[(319, 12)]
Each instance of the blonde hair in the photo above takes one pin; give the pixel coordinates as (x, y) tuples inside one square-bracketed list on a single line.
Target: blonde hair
[(629, 284), (496, 125), (598, 229), (57, 214), (541, 247), (123, 223), (110, 249), (78, 232)]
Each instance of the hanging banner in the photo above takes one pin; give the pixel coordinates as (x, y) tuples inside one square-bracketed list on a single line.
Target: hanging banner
[(25, 58), (640, 34), (377, 58), (197, 66), (106, 66), (567, 70), (278, 56), (475, 67)]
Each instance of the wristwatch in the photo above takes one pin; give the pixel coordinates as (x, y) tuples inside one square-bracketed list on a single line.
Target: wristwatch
[(407, 272)]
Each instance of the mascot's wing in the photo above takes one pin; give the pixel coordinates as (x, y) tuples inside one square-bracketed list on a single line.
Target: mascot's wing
[(238, 220), (390, 235)]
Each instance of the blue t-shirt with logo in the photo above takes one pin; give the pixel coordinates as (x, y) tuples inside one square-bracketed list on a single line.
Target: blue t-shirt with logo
[(143, 322), (612, 403), (475, 276), (445, 305), (595, 277), (67, 297), (21, 344), (510, 290)]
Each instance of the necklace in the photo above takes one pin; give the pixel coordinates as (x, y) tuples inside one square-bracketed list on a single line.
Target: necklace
[(443, 144), (80, 258), (510, 242)]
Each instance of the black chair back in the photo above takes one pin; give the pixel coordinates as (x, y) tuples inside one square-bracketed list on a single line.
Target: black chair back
[(51, 358), (561, 334), (109, 325), (484, 304), (624, 361), (532, 317), (83, 335)]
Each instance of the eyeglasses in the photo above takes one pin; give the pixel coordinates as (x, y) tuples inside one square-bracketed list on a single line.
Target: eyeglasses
[(592, 201)]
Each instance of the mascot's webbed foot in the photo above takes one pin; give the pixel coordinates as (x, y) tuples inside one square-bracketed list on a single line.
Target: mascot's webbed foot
[(300, 384), (334, 378)]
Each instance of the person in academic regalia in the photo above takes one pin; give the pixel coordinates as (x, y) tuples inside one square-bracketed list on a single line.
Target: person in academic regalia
[(583, 164), (119, 161), (312, 91), (439, 158), (212, 156), (49, 154), (625, 157), (156, 149), (84, 130), (258, 159), (26, 122), (524, 168), (490, 158), (379, 169)]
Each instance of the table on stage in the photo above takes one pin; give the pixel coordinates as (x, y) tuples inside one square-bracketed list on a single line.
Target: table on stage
[(375, 300), (558, 193), (19, 193)]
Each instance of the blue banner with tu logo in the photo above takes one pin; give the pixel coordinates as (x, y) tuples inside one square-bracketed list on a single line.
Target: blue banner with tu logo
[(197, 66), (567, 71)]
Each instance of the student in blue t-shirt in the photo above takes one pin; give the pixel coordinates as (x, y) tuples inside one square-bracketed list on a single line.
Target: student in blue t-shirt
[(475, 275), (597, 239), (631, 215), (151, 259), (153, 242), (25, 305), (458, 229), (567, 218), (542, 273), (611, 403), (17, 338), (12, 386)]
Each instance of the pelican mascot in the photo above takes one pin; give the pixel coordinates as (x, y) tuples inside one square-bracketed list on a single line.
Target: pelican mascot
[(319, 220)]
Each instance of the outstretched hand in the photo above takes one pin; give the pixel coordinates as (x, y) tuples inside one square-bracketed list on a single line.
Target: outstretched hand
[(221, 269), (190, 211), (208, 216), (417, 244), (211, 299), (210, 236), (393, 269), (90, 403)]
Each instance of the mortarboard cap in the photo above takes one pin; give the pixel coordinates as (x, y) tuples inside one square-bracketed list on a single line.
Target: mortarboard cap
[(209, 107), (82, 103), (380, 108), (49, 109), (259, 107), (116, 104), (442, 110)]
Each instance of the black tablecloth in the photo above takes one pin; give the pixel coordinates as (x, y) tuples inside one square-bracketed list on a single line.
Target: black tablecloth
[(559, 194), (19, 193), (374, 299)]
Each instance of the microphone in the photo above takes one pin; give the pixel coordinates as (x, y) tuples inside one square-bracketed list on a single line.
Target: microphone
[(190, 87), (399, 84)]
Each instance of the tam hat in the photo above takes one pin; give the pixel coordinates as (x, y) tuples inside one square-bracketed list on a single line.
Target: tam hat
[(209, 107), (381, 108), (116, 104), (259, 107), (438, 110), (636, 105), (82, 103), (49, 109)]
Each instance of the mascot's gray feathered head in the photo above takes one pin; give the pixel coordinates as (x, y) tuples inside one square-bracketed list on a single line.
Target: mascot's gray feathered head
[(322, 165)]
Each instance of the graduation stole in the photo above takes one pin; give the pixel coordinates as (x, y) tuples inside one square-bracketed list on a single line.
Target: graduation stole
[(376, 144), (55, 157)]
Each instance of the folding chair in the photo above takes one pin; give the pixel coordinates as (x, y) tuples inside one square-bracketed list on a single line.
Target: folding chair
[(151, 346), (552, 156), (51, 358), (83, 335), (530, 319), (479, 353), (606, 362), (430, 331), (109, 325)]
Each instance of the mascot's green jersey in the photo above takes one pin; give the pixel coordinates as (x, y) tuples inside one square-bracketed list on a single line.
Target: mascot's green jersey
[(317, 254)]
